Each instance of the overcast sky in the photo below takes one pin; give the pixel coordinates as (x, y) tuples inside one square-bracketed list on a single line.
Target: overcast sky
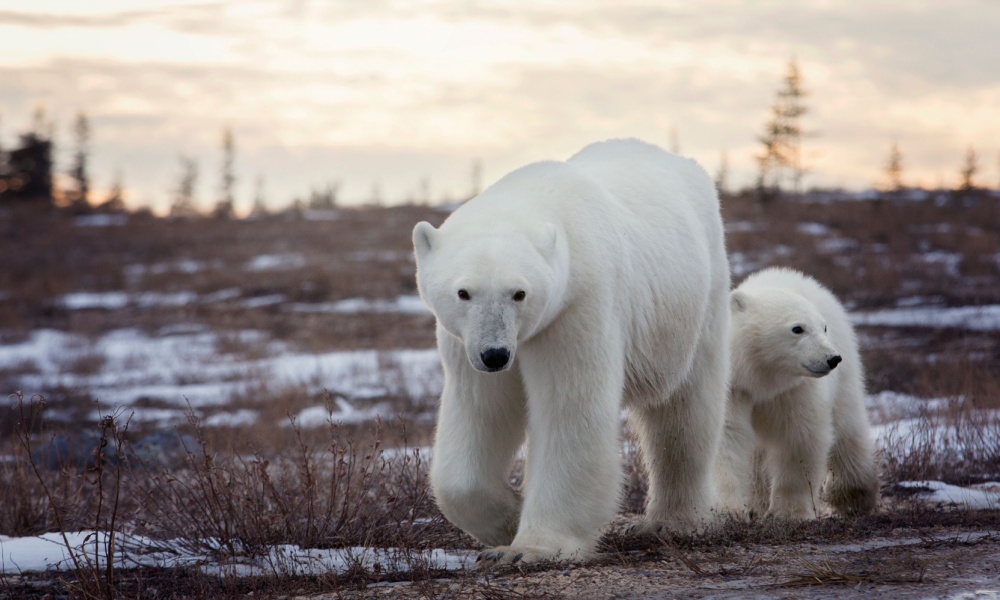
[(387, 93)]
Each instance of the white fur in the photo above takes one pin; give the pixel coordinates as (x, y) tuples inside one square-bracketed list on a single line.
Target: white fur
[(787, 407), (621, 257)]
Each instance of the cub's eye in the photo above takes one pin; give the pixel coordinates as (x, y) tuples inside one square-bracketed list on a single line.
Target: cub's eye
[(463, 295), (798, 330), (824, 329), (519, 295)]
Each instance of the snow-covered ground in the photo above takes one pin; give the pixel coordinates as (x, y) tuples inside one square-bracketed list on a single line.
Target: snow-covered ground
[(190, 365), (51, 552), (977, 318), (401, 304), (979, 497)]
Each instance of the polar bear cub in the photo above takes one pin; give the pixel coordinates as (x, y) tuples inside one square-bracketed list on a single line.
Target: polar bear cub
[(797, 402), (563, 293)]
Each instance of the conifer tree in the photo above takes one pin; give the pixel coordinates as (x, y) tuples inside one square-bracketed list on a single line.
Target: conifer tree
[(970, 168), (184, 196), (894, 169), (781, 156), (80, 197), (722, 175), (116, 197), (225, 207), (259, 208)]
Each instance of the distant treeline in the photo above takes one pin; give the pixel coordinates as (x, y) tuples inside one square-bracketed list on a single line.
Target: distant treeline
[(27, 171)]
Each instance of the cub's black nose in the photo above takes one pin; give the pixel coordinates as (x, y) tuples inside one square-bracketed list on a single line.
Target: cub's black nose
[(495, 358), (833, 362)]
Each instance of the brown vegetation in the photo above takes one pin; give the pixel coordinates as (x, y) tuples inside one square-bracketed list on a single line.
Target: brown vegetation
[(238, 490)]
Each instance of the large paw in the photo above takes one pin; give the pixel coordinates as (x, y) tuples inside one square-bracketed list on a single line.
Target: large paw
[(517, 555), (666, 527), (853, 501)]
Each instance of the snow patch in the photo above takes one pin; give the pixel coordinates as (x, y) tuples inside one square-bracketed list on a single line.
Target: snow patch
[(185, 365), (48, 552), (274, 262), (401, 304), (119, 300), (813, 229), (239, 418), (888, 406), (344, 412), (100, 220), (262, 301), (976, 318), (979, 497)]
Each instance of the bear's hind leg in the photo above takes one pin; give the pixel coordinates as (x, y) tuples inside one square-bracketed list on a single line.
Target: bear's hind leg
[(734, 467), (679, 441), (680, 436)]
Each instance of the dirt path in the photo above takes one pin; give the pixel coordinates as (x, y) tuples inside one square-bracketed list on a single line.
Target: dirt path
[(939, 562)]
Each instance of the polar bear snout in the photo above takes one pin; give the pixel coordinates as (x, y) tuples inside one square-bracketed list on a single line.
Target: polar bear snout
[(495, 359), (820, 369)]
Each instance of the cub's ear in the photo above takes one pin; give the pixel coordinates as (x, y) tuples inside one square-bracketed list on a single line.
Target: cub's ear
[(424, 236), (738, 301), (548, 239)]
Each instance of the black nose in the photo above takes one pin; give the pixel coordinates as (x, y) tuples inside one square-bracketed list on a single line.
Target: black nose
[(833, 362), (495, 358)]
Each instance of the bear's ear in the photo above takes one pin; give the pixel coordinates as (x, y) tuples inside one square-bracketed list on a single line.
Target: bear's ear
[(424, 235), (738, 301), (548, 238)]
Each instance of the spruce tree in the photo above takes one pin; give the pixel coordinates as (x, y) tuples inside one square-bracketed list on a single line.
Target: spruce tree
[(894, 169), (781, 157)]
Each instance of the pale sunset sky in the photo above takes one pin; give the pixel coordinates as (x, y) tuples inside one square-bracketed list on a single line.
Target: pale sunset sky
[(390, 94)]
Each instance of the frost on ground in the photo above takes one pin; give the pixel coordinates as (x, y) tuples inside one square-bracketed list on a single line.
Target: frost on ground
[(977, 318), (181, 366), (400, 304), (51, 552), (983, 496)]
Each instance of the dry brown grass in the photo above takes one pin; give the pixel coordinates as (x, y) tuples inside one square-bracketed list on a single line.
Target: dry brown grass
[(256, 485)]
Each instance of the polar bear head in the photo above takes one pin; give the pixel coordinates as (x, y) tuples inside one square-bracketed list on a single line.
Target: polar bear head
[(491, 286), (780, 332)]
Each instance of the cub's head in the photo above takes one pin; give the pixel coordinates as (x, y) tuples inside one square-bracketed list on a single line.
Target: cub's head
[(782, 332), (491, 289)]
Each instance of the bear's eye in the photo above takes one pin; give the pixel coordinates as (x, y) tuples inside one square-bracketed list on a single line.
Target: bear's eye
[(824, 329), (519, 295), (798, 330), (463, 295)]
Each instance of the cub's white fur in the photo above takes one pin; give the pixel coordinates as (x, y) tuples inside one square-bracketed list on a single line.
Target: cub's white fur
[(562, 293), (797, 402)]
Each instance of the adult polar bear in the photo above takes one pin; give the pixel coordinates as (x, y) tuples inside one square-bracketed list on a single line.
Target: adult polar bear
[(562, 293), (791, 405)]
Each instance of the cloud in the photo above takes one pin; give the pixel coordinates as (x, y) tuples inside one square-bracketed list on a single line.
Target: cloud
[(391, 92)]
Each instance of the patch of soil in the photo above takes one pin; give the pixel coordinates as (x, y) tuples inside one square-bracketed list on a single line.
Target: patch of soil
[(946, 556)]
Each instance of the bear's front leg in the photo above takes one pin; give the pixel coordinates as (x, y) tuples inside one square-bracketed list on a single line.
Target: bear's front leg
[(573, 472), (797, 433), (481, 423)]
